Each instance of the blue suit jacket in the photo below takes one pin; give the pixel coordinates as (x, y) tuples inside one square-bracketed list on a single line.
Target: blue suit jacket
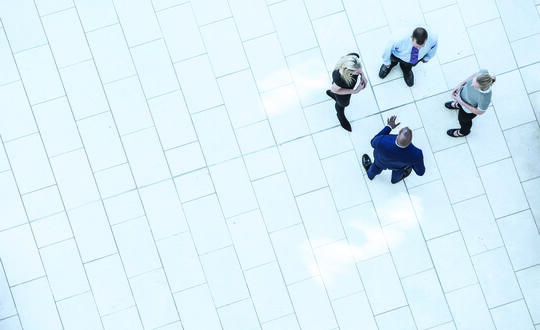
[(389, 156)]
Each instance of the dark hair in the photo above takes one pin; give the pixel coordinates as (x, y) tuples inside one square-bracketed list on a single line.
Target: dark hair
[(420, 35)]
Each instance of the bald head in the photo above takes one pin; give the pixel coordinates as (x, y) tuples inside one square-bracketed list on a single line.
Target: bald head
[(404, 137)]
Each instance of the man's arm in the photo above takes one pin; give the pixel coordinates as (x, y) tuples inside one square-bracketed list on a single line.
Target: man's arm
[(419, 167), (387, 53), (432, 51), (390, 125)]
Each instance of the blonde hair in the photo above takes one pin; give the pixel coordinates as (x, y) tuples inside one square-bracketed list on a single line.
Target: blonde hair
[(485, 80), (347, 65)]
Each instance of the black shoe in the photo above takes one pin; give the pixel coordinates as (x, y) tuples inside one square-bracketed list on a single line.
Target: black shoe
[(384, 71), (330, 94), (406, 172), (366, 162), (409, 79), (344, 122), (450, 105)]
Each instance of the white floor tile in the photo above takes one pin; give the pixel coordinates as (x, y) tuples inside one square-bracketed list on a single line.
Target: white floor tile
[(96, 14), (382, 284), (525, 51), (92, 232), (524, 154), (310, 76), (394, 10), (398, 318), (146, 157), (52, 229), (36, 306), (16, 114), (11, 203), (320, 217), (138, 21), (109, 285), (181, 33), (47, 7), (530, 78), (477, 224), (354, 311), (321, 8), (332, 142), (224, 47), (178, 254), (207, 225), (79, 312), (294, 254), (111, 53), (285, 114), (101, 141), (311, 304), (426, 299), (11, 323), (15, 245), (277, 202), (529, 280), (433, 209), (335, 37), (289, 322), (532, 191), (29, 163), (408, 248), (509, 96), (216, 135), (241, 98), (521, 238), (455, 71), (469, 308), (66, 37), (345, 179), (486, 140), (127, 319), (512, 315), (475, 12), (208, 11), (392, 94), (64, 269), (128, 105), (22, 25), (194, 185), (115, 180), (303, 165), (264, 163), (503, 189), (84, 90), (268, 292), (252, 18), (519, 18), (452, 262), (136, 246), (197, 309), (239, 315), (267, 62), (123, 207), (366, 239), (363, 131), (338, 269), (459, 173), (224, 276), (57, 126), (255, 137), (251, 241), (428, 80), (488, 36), (453, 39), (185, 158), (496, 277), (154, 299), (293, 26), (154, 68), (375, 19)]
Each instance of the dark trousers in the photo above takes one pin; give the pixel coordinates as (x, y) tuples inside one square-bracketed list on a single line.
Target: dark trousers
[(406, 67), (342, 101), (465, 120), (375, 170)]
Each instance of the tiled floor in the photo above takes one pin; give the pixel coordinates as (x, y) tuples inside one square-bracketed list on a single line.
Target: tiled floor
[(176, 164)]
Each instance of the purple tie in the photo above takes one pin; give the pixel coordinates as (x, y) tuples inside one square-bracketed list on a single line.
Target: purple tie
[(414, 55)]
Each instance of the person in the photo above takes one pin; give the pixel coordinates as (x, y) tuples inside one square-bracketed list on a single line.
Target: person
[(408, 52), (471, 98), (394, 152), (344, 78)]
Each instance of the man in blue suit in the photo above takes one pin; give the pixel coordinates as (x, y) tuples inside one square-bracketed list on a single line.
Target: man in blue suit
[(394, 152)]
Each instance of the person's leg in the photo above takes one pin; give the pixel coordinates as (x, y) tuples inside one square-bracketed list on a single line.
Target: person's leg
[(384, 71), (397, 175), (373, 171), (465, 121), (407, 73), (341, 102)]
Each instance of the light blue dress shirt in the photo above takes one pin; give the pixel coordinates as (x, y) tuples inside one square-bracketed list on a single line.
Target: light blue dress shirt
[(402, 49)]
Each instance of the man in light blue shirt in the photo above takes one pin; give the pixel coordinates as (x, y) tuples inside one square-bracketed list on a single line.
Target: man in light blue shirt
[(408, 52)]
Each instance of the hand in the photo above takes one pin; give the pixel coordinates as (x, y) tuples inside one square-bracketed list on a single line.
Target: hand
[(392, 122), (424, 61)]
